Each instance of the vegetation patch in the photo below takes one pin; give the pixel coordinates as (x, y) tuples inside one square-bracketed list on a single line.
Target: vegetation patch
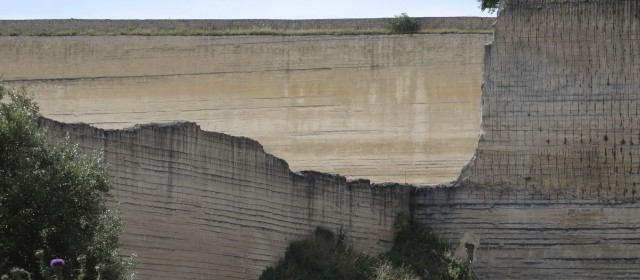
[(53, 217), (416, 247), (416, 254), (256, 31), (321, 256), (403, 24)]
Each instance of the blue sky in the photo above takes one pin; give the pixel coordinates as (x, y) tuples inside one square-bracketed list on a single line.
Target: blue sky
[(233, 9)]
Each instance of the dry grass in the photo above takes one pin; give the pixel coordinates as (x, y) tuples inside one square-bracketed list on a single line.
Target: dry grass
[(183, 31)]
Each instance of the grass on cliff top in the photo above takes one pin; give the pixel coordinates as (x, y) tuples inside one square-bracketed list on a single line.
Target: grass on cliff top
[(183, 31)]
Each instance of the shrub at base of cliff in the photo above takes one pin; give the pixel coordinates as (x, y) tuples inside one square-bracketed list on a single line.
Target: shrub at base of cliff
[(321, 256), (52, 200), (418, 248), (416, 251)]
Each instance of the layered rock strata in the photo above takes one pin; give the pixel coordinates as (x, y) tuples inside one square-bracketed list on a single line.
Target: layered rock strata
[(208, 205), (70, 26), (560, 102), (386, 108), (550, 193), (552, 190), (516, 233)]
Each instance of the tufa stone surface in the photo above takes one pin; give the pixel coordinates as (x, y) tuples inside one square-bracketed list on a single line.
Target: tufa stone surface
[(199, 204), (552, 190), (9, 27), (560, 100), (386, 108), (550, 194), (521, 233)]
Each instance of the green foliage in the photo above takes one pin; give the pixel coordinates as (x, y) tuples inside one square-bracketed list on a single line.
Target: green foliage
[(322, 256), (490, 5), (52, 198), (418, 248), (385, 270), (403, 24), (416, 254)]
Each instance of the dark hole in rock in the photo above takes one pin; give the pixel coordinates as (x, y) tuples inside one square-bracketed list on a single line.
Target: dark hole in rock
[(470, 248)]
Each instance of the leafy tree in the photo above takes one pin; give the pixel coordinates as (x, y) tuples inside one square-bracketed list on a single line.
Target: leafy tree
[(403, 24), (490, 5), (52, 199)]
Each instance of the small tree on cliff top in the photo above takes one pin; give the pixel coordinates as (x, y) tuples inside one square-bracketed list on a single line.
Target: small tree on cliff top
[(491, 5), (52, 199)]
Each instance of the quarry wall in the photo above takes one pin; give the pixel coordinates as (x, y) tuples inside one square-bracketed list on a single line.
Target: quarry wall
[(207, 205), (560, 99), (519, 233), (398, 108), (9, 27), (549, 194), (552, 190)]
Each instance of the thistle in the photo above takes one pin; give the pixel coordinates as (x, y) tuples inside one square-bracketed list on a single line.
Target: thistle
[(57, 265)]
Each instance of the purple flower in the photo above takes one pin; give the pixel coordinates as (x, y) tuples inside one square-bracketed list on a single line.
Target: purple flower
[(55, 263)]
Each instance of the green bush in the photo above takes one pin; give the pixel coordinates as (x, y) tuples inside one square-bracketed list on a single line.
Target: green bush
[(322, 256), (52, 198), (403, 24), (416, 254), (385, 270), (418, 248)]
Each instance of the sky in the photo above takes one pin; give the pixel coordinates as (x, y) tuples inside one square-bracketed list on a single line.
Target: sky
[(233, 9)]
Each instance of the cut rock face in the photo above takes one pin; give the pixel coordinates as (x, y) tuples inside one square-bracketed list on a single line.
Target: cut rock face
[(385, 108)]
